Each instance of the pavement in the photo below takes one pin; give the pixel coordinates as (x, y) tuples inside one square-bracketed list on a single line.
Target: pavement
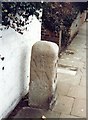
[(71, 86)]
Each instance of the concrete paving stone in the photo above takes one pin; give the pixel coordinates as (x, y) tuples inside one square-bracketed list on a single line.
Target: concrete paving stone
[(63, 105), (72, 62), (77, 92), (84, 67), (77, 56), (66, 55), (81, 36), (83, 72), (79, 108), (69, 60), (80, 54), (83, 83), (75, 42), (62, 88), (73, 46), (67, 116), (69, 79)]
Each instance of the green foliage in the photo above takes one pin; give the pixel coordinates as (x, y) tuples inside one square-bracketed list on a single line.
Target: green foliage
[(9, 10), (54, 13), (57, 13)]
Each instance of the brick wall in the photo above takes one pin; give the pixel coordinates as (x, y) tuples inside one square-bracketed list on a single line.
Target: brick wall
[(49, 36)]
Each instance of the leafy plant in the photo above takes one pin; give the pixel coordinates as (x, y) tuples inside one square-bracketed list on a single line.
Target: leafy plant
[(25, 9)]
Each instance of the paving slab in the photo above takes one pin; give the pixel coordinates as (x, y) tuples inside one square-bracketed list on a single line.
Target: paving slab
[(83, 82), (79, 108), (63, 105), (83, 78), (62, 89), (67, 116), (71, 62), (70, 79), (77, 92)]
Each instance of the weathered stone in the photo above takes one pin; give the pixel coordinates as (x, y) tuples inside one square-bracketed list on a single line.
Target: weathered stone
[(43, 74)]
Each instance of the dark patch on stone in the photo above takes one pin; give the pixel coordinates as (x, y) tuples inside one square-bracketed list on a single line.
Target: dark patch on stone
[(2, 68), (2, 58), (54, 80)]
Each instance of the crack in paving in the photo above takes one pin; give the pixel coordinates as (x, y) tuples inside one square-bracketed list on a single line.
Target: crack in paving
[(72, 106)]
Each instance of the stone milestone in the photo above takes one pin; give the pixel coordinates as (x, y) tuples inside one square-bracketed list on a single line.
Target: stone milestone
[(43, 75)]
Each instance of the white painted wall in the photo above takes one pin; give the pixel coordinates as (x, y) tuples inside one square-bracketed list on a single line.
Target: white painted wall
[(14, 79)]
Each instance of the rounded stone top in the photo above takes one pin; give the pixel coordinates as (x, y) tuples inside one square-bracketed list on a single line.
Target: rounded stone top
[(46, 47)]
